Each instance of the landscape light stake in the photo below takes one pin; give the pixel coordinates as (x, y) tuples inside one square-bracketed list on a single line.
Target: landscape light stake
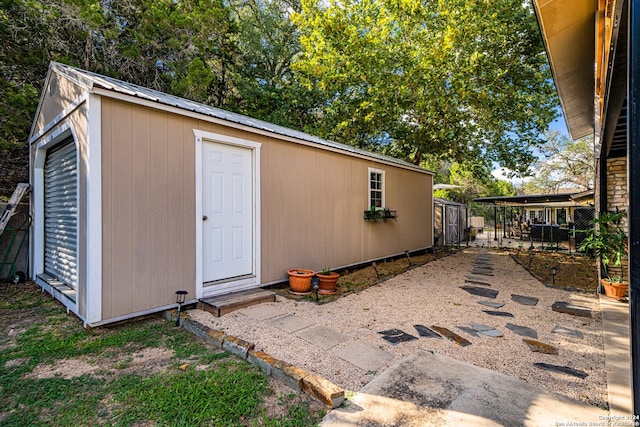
[(408, 257), (553, 275), (315, 283), (180, 296), (375, 268)]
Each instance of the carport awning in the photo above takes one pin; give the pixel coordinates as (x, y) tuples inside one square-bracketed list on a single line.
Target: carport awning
[(568, 199)]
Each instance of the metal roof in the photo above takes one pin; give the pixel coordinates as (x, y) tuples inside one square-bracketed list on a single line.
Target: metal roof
[(92, 80), (440, 201), (537, 199)]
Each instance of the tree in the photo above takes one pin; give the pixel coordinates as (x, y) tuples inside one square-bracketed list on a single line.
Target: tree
[(564, 164), (24, 54), (474, 180), (268, 88), (464, 79)]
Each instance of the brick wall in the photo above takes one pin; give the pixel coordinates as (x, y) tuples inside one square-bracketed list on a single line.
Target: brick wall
[(617, 197)]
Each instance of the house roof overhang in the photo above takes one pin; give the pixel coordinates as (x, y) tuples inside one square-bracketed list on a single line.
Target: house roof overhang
[(568, 31)]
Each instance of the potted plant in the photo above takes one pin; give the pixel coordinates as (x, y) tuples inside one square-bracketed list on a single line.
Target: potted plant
[(608, 242), (327, 281), (373, 214), (300, 280)]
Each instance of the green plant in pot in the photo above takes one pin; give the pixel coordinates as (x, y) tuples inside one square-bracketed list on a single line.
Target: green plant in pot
[(607, 241), (327, 281)]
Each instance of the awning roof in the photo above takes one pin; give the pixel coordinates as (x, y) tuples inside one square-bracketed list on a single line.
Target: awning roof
[(568, 31), (567, 199)]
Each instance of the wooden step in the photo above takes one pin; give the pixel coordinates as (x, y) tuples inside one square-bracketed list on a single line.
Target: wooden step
[(220, 305)]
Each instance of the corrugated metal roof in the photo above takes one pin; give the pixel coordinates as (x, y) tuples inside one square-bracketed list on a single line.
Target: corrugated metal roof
[(92, 80), (439, 201), (534, 199)]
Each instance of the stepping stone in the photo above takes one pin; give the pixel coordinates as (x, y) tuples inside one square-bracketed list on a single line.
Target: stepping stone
[(468, 330), (290, 323), (575, 310), (521, 299), (262, 311), (482, 263), (477, 282), (483, 267), (482, 272), (562, 369), (481, 292), (540, 347), (522, 330), (480, 278), (498, 313), (479, 327), (494, 333), (322, 337), (492, 304), (452, 336), (423, 331), (566, 331), (365, 356), (394, 336), (489, 331)]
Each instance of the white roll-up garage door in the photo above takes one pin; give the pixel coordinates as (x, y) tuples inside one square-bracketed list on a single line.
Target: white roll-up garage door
[(61, 214)]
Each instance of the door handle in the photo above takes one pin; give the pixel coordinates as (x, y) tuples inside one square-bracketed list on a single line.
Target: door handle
[(204, 217)]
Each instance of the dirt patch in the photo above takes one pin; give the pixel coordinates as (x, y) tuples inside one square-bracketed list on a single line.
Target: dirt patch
[(146, 361), (573, 271)]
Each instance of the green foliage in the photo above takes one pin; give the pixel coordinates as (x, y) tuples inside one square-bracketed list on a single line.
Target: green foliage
[(464, 79), (473, 178), (607, 241), (219, 397), (268, 88), (565, 163)]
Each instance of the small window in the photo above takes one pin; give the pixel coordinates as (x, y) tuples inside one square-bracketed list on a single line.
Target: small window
[(376, 188)]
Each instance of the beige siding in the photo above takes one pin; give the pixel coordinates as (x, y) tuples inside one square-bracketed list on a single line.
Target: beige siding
[(312, 207), (148, 215), (60, 94), (313, 202)]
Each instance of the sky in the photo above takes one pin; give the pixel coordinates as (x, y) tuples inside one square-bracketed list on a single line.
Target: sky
[(558, 124)]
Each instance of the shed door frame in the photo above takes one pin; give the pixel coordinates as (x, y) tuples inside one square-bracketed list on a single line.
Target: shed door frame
[(61, 213), (241, 283), (61, 135)]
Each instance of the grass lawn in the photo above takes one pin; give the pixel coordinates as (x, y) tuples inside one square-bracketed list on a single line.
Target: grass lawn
[(142, 373)]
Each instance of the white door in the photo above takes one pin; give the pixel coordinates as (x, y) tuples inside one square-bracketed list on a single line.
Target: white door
[(227, 211)]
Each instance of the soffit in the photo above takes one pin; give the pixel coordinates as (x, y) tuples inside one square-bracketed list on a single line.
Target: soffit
[(568, 31)]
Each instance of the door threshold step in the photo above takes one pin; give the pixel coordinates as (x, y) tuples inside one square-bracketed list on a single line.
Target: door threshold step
[(220, 305)]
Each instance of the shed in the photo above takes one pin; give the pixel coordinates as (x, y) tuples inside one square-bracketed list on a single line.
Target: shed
[(138, 194), (449, 221)]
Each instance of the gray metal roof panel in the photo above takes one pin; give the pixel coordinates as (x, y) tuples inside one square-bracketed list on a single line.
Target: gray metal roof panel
[(91, 80)]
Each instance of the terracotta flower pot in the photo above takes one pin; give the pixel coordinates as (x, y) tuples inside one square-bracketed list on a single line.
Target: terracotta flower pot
[(327, 283), (300, 280), (614, 290)]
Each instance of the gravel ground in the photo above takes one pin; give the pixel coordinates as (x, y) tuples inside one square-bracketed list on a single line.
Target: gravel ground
[(430, 295)]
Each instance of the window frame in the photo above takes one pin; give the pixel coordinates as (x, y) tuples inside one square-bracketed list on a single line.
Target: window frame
[(382, 190)]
